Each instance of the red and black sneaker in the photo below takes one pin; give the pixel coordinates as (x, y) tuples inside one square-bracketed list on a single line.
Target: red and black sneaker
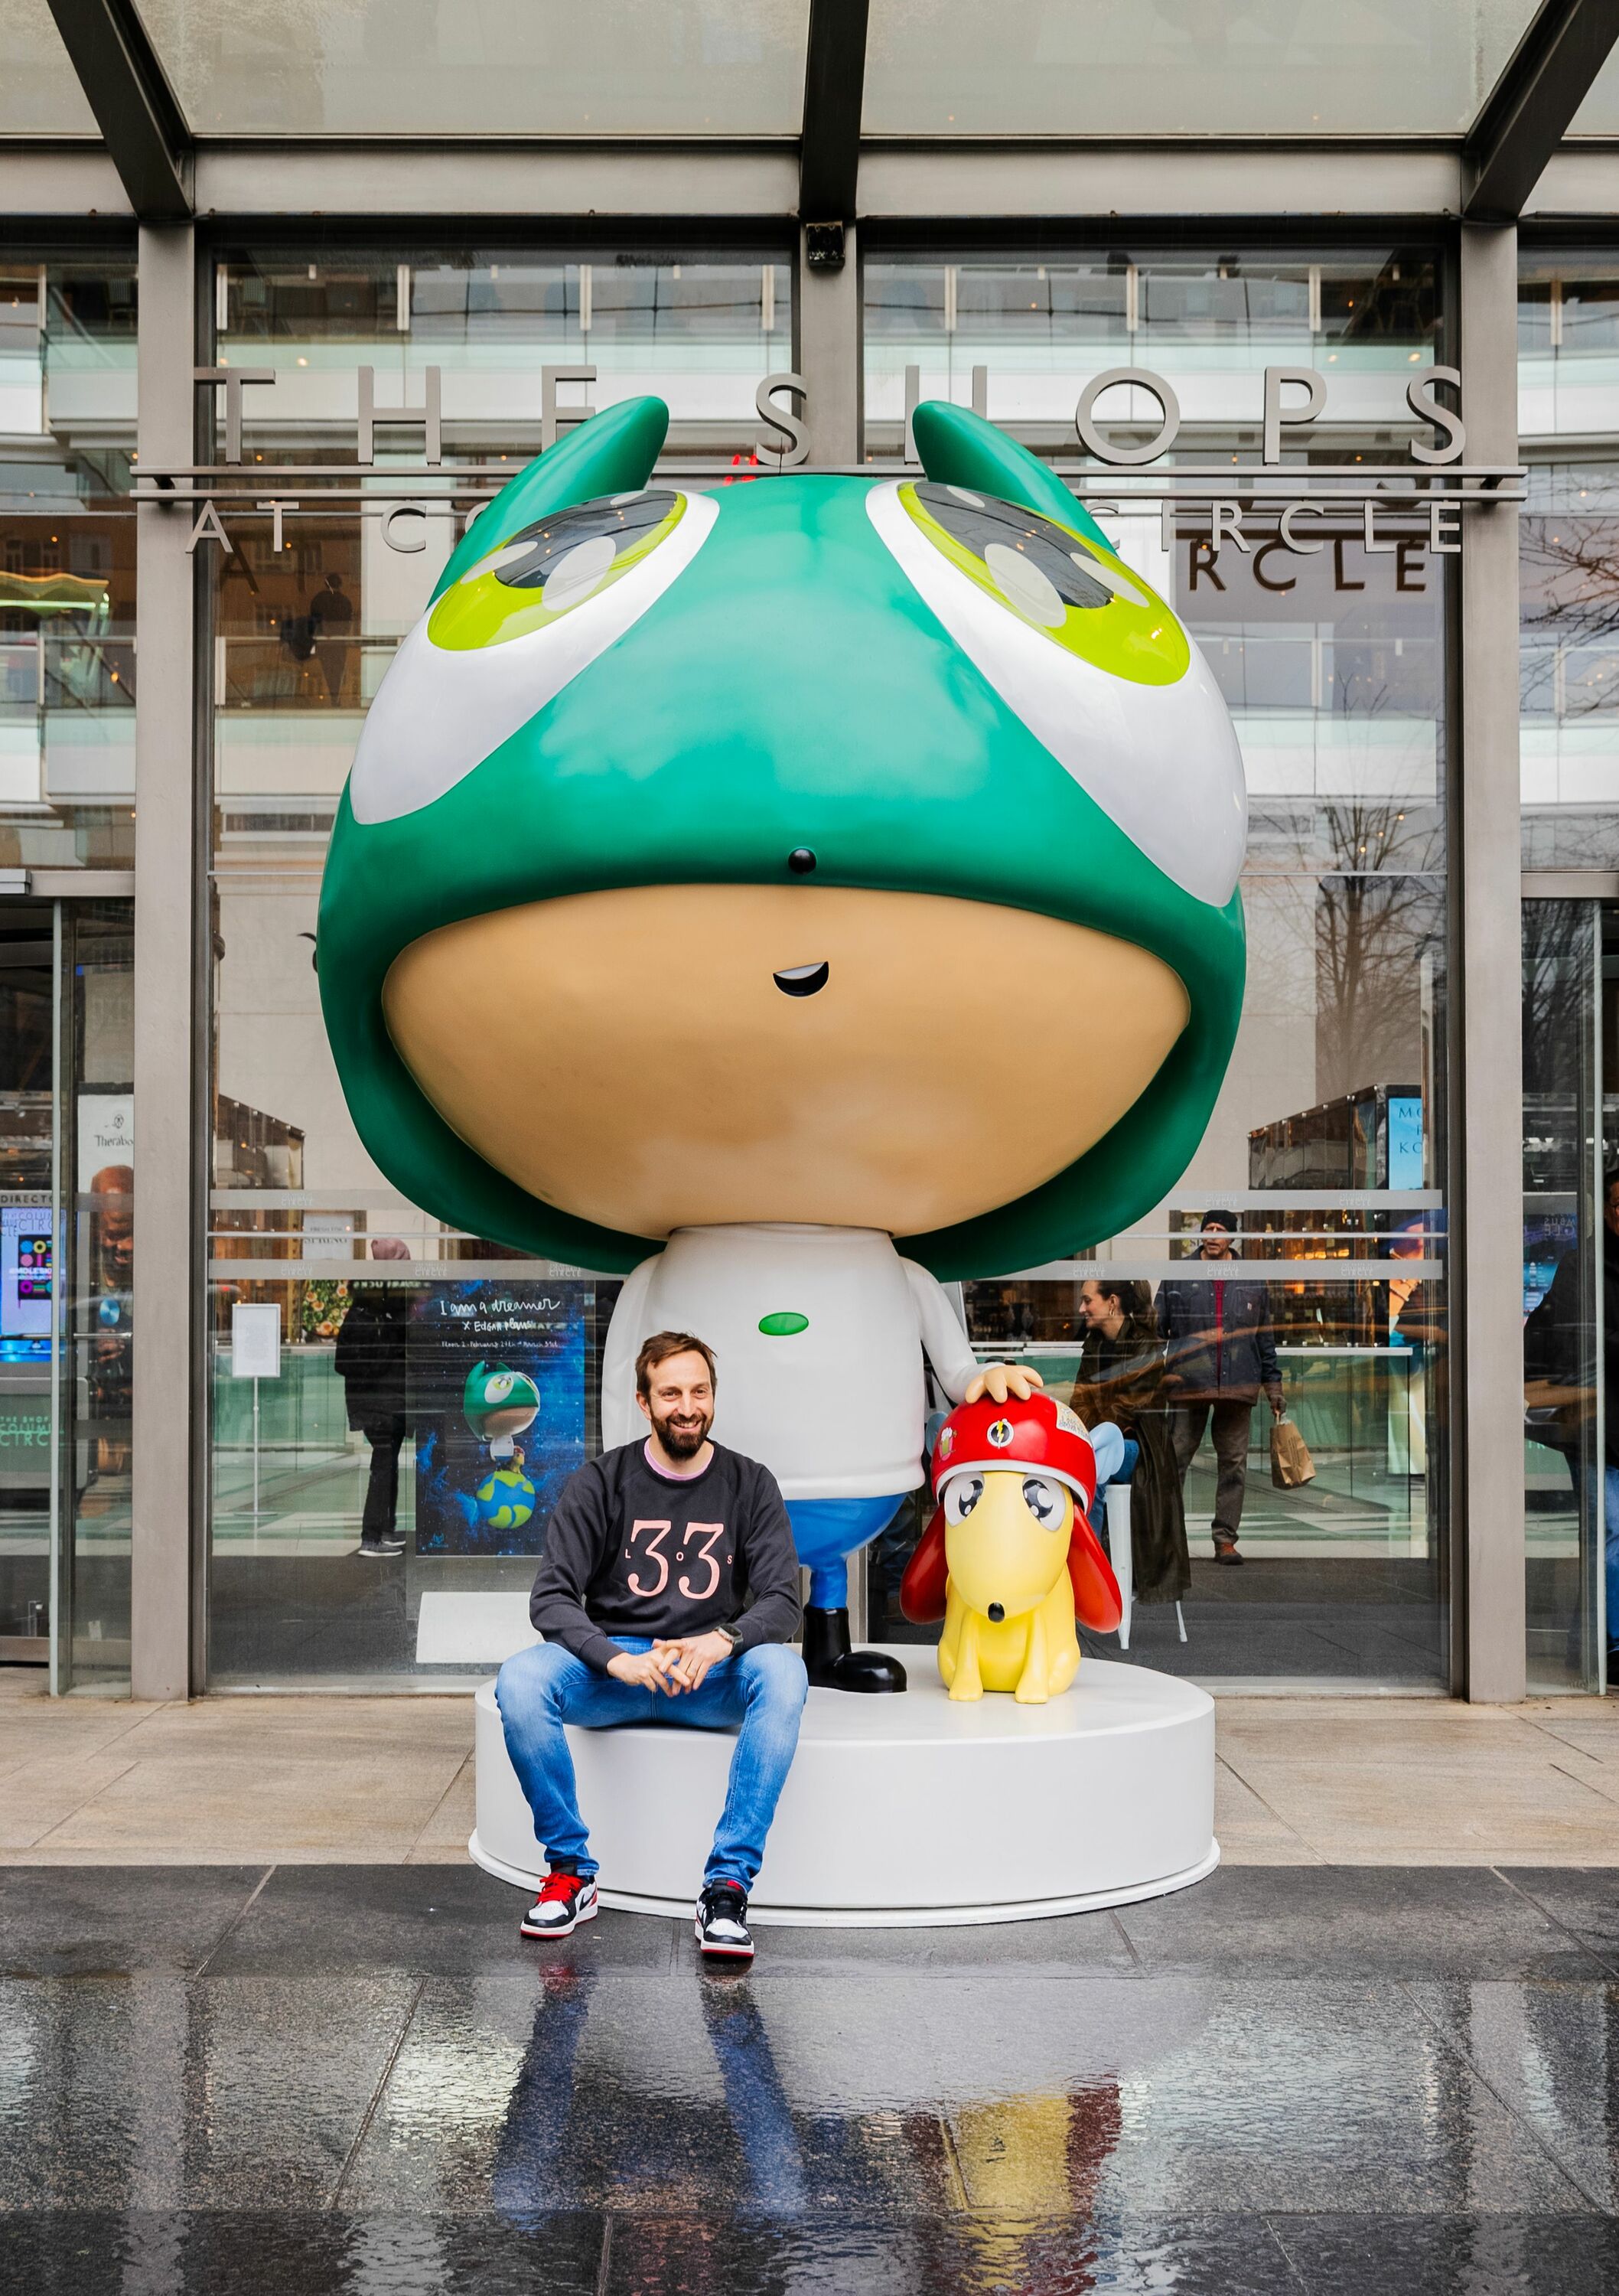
[(722, 1921), (565, 1900)]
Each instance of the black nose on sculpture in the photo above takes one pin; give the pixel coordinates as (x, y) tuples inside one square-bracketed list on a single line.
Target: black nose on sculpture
[(996, 1613)]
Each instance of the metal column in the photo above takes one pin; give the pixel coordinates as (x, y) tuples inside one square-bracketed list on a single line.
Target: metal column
[(1486, 1320), (831, 355), (168, 1061)]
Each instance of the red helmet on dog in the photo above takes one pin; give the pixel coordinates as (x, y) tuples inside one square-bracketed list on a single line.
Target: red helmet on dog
[(1039, 1434)]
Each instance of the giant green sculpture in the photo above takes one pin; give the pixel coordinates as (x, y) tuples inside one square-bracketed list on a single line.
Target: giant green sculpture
[(794, 870)]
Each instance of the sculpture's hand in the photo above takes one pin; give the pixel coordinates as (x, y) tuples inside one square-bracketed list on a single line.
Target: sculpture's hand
[(998, 1381)]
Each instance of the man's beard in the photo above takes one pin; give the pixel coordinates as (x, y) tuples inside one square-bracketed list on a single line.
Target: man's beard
[(683, 1442)]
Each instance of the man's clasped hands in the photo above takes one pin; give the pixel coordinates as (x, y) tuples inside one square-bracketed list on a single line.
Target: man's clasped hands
[(672, 1666)]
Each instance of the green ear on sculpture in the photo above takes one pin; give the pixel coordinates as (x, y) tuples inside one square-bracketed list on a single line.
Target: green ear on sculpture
[(614, 452), (959, 449)]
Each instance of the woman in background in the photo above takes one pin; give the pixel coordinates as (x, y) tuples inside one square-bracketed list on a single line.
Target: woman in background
[(1120, 1376)]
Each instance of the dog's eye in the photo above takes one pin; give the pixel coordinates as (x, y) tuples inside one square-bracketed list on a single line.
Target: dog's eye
[(961, 1496), (1046, 1502)]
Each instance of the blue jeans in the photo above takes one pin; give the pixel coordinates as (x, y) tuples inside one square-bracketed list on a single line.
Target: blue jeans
[(827, 1531), (760, 1694), (1125, 1469)]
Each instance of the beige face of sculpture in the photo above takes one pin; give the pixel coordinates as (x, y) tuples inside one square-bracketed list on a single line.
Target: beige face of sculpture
[(633, 1057)]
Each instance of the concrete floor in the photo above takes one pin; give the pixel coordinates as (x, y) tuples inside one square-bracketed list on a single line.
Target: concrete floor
[(262, 2026), (389, 1781)]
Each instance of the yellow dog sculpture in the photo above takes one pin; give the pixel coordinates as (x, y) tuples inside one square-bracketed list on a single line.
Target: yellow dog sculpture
[(1008, 1559)]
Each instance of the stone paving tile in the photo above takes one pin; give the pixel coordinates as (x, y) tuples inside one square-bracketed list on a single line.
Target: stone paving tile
[(445, 1920), (1461, 2254), (235, 1807), (1406, 1812), (1545, 2049), (95, 1923), (152, 2091), (1353, 1920), (46, 1793), (1582, 1901)]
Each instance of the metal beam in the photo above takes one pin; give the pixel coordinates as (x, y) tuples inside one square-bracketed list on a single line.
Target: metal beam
[(1486, 1367), (1095, 185), (1533, 104), (134, 107), (534, 182), (834, 95), (170, 1050)]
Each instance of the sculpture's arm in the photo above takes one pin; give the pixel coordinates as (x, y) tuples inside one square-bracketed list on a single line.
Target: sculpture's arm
[(620, 1420)]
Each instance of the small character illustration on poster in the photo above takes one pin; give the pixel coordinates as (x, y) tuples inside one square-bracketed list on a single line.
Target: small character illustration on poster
[(496, 1385)]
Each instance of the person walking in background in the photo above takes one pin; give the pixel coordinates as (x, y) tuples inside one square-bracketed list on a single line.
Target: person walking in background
[(371, 1364), (1220, 1350), (331, 624), (1121, 1378)]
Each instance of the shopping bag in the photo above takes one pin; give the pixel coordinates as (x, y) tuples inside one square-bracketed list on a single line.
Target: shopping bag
[(1290, 1461)]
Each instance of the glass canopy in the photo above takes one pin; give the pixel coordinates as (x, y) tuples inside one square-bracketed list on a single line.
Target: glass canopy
[(1599, 115), (483, 67), (1186, 67), (40, 91)]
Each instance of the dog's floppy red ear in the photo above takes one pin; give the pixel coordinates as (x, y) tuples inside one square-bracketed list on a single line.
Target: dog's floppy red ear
[(1097, 1601), (921, 1590)]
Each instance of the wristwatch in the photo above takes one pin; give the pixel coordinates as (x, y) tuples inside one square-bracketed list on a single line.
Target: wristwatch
[(731, 1636)]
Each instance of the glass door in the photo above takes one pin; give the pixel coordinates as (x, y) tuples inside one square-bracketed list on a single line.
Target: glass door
[(1571, 1260), (29, 1415), (67, 1208)]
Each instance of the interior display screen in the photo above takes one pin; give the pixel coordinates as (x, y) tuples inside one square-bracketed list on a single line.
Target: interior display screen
[(26, 1260)]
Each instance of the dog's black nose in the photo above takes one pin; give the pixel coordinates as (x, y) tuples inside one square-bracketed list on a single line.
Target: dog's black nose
[(996, 1612)]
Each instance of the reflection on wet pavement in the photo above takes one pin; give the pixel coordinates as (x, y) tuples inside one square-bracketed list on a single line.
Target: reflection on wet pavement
[(1309, 2080)]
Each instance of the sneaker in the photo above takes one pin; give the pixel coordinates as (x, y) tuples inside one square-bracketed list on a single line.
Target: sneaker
[(372, 1548), (565, 1900), (722, 1921)]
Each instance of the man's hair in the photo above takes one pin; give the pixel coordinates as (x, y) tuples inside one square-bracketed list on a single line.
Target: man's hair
[(1610, 1181), (660, 1346)]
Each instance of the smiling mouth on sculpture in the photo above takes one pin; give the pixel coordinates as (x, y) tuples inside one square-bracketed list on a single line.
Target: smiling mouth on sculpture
[(802, 979)]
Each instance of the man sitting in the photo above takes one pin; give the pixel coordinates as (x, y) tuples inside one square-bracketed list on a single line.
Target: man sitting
[(669, 1592)]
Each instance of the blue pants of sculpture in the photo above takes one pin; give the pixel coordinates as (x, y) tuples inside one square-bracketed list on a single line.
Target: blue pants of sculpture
[(760, 1694), (827, 1531)]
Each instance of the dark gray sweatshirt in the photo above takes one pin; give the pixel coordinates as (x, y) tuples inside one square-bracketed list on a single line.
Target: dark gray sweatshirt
[(631, 1552)]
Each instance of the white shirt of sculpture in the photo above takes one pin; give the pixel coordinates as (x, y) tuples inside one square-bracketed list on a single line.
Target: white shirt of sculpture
[(835, 1408)]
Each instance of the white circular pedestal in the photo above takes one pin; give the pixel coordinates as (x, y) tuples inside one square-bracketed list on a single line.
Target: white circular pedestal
[(902, 1811)]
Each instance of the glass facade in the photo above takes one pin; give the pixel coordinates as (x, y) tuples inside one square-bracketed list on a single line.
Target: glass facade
[(300, 1217), (1328, 1138), (68, 676), (373, 372)]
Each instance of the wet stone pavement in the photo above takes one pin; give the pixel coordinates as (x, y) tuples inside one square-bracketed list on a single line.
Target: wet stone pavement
[(1311, 2079)]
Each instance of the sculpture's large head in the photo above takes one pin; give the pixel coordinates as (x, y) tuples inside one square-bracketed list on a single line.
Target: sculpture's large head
[(819, 850)]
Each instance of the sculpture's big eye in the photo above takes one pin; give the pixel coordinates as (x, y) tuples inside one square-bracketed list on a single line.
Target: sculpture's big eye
[(552, 567), (961, 1495), (1094, 663), (1045, 1502), (504, 640), (1085, 598)]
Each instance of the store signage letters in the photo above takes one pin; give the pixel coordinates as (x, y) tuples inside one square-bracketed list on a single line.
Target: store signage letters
[(1289, 401)]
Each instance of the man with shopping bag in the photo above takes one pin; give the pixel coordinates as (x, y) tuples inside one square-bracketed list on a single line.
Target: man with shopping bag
[(1220, 1350)]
